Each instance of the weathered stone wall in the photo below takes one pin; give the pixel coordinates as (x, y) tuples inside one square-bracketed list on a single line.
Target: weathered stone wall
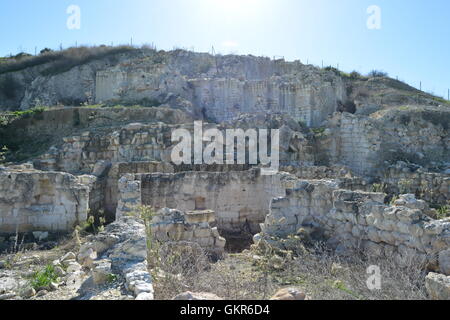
[(97, 186), (41, 201), (121, 168), (351, 220), (50, 126), (351, 141), (170, 225), (431, 187), (133, 142), (318, 172), (306, 204), (138, 142), (240, 199), (368, 144)]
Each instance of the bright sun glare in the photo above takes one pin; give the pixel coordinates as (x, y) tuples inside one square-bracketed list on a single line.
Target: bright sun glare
[(235, 6)]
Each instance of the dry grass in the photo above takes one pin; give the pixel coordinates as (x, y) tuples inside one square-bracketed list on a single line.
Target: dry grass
[(323, 275), (64, 60)]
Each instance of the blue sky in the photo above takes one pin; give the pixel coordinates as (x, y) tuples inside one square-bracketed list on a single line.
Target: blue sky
[(413, 43)]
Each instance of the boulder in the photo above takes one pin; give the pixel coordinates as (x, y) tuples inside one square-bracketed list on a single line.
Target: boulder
[(444, 262), (87, 256), (60, 271), (438, 286), (28, 293), (7, 296), (145, 296), (8, 284), (73, 267), (101, 271)]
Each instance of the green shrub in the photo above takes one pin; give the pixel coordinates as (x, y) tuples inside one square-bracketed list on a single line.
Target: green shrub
[(443, 212), (44, 278), (318, 131), (28, 113), (377, 74), (45, 50), (355, 75)]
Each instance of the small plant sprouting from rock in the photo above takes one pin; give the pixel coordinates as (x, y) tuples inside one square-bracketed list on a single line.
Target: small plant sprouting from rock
[(44, 278), (91, 225), (379, 188), (394, 198), (146, 214), (404, 186), (443, 212), (111, 278)]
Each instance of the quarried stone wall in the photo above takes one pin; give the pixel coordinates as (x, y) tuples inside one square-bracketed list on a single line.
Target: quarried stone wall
[(193, 226), (431, 187), (33, 200), (121, 168), (239, 199), (133, 142), (368, 144), (350, 220)]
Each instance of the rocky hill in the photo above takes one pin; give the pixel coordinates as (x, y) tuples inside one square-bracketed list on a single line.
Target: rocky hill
[(86, 140), (216, 87)]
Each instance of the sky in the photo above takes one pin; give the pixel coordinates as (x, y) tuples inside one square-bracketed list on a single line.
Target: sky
[(409, 39)]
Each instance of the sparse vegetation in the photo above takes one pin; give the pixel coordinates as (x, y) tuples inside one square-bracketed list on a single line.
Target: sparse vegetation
[(377, 74), (94, 223), (355, 75), (143, 103), (258, 273), (379, 188), (61, 60), (146, 214), (112, 278), (318, 132), (44, 278), (443, 212)]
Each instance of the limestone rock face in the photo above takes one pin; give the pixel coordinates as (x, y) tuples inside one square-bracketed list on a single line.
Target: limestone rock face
[(221, 87), (438, 286), (224, 87), (366, 144), (239, 199), (32, 200)]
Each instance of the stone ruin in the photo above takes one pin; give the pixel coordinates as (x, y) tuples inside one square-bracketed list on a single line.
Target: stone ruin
[(33, 200), (171, 225), (107, 161)]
